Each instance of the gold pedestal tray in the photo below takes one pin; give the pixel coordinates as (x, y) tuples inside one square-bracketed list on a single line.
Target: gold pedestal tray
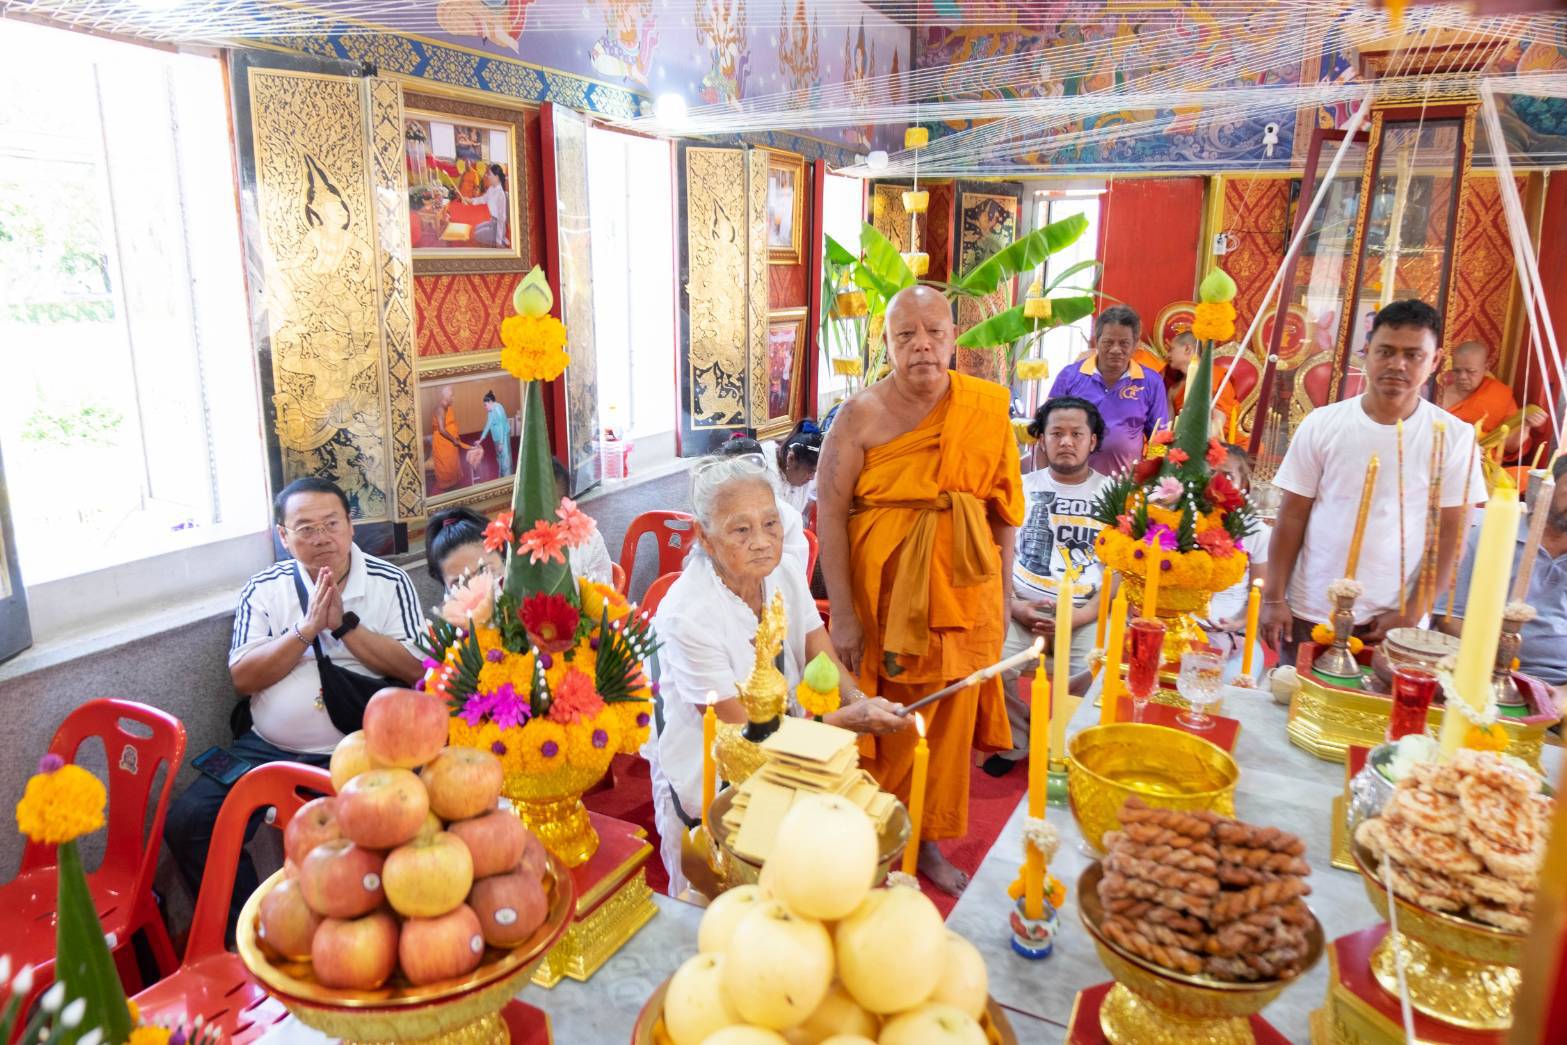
[(1150, 1005), (1167, 768), (550, 805), (613, 902), (649, 1029), (1461, 972), (1179, 609), (461, 1011)]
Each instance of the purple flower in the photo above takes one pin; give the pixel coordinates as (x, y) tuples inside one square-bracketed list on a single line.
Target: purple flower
[(549, 749), (419, 685), (642, 719), (600, 738), (1163, 535), (593, 643), (498, 748), (506, 708), (495, 655), (546, 661), (428, 663), (50, 762), (653, 688), (476, 707)]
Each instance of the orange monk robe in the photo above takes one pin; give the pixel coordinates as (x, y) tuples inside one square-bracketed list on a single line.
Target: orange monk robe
[(927, 585), (1175, 389), (1491, 400), (444, 454)]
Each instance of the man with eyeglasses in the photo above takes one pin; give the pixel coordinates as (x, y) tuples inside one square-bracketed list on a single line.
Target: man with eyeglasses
[(362, 611)]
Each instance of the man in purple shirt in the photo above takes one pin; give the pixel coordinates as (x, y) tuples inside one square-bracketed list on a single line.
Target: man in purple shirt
[(1129, 398)]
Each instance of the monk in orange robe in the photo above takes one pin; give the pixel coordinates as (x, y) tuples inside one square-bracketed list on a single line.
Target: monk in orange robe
[(446, 444), (919, 495), (1474, 396), (1183, 349)]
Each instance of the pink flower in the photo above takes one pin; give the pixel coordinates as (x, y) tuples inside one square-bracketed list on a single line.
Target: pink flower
[(544, 541), (575, 527), (497, 535), (1167, 492), (1163, 535), (476, 707), (507, 708), (1177, 456), (473, 600), (1124, 524)]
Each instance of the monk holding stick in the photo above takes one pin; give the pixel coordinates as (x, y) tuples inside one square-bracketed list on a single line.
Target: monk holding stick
[(919, 496)]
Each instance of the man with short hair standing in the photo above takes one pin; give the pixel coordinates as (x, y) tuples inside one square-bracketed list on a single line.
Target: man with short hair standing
[(363, 611), (1127, 395), (1324, 471)]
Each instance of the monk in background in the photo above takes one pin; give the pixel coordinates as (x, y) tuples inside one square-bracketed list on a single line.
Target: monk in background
[(1472, 395), (919, 495)]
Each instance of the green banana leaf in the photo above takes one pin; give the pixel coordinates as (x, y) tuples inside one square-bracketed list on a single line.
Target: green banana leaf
[(837, 253), (1006, 327), (882, 271), (84, 964), (1022, 256), (1191, 427), (1056, 284)]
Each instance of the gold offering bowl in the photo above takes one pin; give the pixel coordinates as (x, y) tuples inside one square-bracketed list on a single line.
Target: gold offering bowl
[(731, 869), (459, 1011), (1166, 768), (649, 1029), (1462, 972), (550, 805), (1179, 609), (1150, 1005)]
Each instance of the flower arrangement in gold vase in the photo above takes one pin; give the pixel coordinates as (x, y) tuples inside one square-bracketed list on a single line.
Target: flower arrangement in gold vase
[(1174, 507), (541, 668)]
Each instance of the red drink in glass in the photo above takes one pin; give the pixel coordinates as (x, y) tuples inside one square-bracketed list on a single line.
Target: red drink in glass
[(1413, 691), (1145, 654)]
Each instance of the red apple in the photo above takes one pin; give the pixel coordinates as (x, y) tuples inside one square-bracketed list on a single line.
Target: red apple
[(349, 759), (432, 949), (316, 822), (287, 922), (510, 907), (428, 877), (463, 782), (534, 857), (404, 728), (382, 808), (342, 880), (356, 953), (496, 841)]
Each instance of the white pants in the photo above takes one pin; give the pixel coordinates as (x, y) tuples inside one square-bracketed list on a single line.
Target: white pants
[(671, 829)]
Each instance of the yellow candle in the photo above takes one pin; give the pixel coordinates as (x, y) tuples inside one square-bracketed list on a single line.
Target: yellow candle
[(1538, 451), (1061, 676), (1038, 739), (1253, 611), (1230, 428), (1151, 584), (1104, 610), (1488, 580), (911, 854), (1366, 489), (709, 767), (1111, 691), (1033, 882)]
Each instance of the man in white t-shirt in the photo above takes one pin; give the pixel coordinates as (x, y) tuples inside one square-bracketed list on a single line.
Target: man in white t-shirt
[(363, 611), (1058, 526), (1321, 480)]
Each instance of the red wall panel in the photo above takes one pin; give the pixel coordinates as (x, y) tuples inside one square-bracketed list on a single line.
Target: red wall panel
[(1148, 234), (1553, 274)]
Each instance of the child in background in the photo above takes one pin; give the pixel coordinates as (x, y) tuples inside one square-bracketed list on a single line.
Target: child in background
[(797, 458), (1226, 624)]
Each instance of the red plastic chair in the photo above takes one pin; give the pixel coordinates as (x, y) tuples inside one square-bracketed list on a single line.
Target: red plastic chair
[(812, 549), (618, 577), (671, 532), (122, 886), (656, 592), (212, 982)]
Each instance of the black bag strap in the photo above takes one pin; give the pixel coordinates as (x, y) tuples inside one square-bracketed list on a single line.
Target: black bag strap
[(304, 607)]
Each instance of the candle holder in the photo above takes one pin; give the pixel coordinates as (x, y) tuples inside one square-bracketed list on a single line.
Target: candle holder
[(1056, 783), (1034, 938), (1514, 617), (1336, 661)]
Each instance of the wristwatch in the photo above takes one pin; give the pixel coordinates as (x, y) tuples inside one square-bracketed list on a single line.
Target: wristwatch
[(350, 622)]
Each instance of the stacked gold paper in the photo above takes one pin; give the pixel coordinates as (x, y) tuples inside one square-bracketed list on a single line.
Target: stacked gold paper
[(803, 757)]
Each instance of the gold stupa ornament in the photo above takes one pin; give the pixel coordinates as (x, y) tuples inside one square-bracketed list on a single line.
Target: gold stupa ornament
[(764, 695)]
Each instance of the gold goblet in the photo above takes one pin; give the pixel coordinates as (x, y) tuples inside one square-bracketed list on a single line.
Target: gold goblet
[(1150, 1005), (1164, 767), (459, 1011)]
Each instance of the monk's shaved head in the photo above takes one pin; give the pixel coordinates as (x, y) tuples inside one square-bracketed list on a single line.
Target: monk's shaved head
[(921, 299), (1473, 351), (1467, 370), (919, 339)]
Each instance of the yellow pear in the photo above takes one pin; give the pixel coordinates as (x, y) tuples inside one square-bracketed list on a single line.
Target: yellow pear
[(742, 1035), (932, 1024), (891, 950), (838, 1016), (721, 916), (695, 1005), (965, 984), (777, 966), (824, 859), (847, 1039)]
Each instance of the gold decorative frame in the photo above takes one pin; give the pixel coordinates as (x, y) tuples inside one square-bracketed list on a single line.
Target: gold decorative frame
[(436, 261), (771, 425), (794, 165), (446, 368)]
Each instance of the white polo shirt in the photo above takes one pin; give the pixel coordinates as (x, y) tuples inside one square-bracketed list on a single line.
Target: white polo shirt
[(288, 713)]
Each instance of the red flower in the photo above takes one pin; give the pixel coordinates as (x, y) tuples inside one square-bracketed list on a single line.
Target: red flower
[(551, 622), (574, 699), (1146, 469), (1222, 494), (1177, 456), (1217, 454), (497, 535), (1124, 524), (1163, 437), (1216, 543)]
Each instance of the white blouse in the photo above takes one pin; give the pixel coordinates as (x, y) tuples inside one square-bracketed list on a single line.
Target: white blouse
[(707, 634)]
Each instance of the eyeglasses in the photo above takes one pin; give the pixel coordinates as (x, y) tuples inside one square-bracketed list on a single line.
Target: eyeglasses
[(740, 464), (311, 531)]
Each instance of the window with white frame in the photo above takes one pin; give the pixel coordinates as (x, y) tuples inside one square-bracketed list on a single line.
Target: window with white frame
[(843, 214), (129, 417), (1061, 345), (633, 232)]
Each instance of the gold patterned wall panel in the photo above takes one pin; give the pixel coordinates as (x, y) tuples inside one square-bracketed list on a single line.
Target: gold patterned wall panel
[(384, 117), (717, 254), (757, 297), (888, 216), (319, 275)]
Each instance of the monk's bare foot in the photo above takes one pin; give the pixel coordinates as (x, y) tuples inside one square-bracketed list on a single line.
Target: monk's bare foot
[(940, 870)]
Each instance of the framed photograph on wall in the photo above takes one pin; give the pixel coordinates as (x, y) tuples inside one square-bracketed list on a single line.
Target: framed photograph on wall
[(466, 179), (785, 207), (470, 413), (788, 346)]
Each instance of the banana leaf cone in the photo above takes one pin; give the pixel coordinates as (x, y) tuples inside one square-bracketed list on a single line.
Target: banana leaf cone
[(1191, 427), (533, 501), (83, 962)]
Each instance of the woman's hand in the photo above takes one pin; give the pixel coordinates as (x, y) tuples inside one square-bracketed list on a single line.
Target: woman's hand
[(874, 715), (848, 640)]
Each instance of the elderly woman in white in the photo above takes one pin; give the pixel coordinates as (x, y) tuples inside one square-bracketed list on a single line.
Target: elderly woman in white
[(706, 626)]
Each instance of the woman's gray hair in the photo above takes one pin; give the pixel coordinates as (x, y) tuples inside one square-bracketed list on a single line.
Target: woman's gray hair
[(711, 474)]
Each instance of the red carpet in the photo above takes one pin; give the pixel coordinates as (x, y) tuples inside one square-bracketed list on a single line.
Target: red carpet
[(991, 801)]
